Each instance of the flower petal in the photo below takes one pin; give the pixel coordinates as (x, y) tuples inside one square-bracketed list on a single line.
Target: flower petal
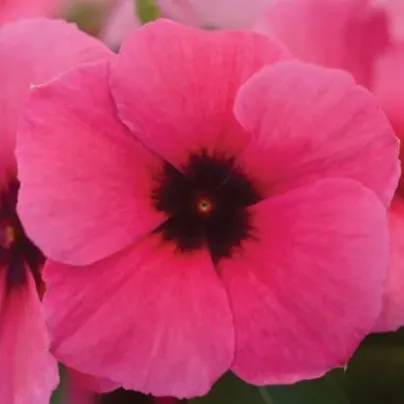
[(310, 122), (392, 315), (308, 286), (28, 372), (149, 318), (81, 171), (178, 99), (32, 52)]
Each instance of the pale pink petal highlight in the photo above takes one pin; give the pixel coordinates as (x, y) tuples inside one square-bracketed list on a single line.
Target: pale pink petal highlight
[(97, 197), (28, 372), (178, 99), (388, 86), (169, 328), (308, 286), (214, 13), (395, 12), (309, 122), (121, 22)]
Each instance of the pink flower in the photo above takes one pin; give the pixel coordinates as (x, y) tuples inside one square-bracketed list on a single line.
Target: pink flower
[(363, 37), (31, 51), (347, 34), (210, 205), (214, 13)]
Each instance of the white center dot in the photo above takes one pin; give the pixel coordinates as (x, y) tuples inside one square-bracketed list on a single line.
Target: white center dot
[(204, 205)]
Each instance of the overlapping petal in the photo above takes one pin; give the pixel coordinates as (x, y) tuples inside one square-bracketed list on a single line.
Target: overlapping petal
[(95, 179), (178, 99), (307, 286), (169, 330), (329, 127)]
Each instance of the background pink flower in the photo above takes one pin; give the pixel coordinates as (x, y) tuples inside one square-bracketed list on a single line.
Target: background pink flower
[(206, 197), (32, 52), (18, 9), (121, 21), (389, 88), (363, 37), (214, 13)]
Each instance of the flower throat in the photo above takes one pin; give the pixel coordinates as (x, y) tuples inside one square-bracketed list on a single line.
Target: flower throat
[(206, 203)]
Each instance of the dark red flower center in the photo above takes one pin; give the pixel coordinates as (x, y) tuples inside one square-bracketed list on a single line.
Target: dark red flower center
[(17, 252), (206, 203)]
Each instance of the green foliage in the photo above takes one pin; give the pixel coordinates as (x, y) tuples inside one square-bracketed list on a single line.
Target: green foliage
[(230, 389), (375, 375), (329, 389), (147, 10), (89, 17), (59, 395)]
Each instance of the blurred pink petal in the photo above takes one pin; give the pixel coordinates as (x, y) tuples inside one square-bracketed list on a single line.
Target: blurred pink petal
[(33, 52), (120, 22), (80, 388), (395, 12), (81, 382), (214, 13), (388, 85), (28, 372), (76, 394), (19, 9), (347, 34), (392, 315)]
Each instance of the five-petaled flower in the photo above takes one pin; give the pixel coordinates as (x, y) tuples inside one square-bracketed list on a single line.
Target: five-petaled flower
[(209, 205)]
